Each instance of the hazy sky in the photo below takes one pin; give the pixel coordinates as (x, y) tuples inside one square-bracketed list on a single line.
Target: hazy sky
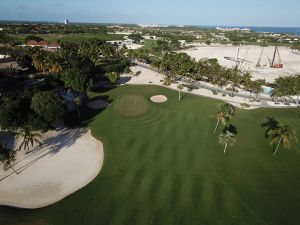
[(181, 12)]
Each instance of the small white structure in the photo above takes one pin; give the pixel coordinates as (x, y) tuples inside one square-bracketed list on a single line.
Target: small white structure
[(4, 56), (66, 22)]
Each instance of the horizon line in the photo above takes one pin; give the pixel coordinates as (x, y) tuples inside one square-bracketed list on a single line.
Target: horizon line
[(126, 23)]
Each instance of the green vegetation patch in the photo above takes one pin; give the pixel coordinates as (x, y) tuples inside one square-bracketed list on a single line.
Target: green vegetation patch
[(166, 167), (131, 105)]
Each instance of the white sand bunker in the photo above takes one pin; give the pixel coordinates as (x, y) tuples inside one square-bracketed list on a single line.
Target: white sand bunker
[(67, 161), (158, 99), (99, 104)]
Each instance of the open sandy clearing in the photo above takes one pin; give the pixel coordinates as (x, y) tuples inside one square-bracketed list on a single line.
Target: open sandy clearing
[(159, 99), (67, 161), (98, 104), (251, 56)]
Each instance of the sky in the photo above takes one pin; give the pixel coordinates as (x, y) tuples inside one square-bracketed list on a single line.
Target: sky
[(277, 13)]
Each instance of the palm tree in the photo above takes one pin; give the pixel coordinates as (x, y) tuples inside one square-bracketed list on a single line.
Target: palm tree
[(284, 134), (224, 113), (29, 137), (226, 139), (7, 156), (180, 87)]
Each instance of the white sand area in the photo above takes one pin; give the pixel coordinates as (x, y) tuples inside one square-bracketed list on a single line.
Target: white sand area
[(158, 99), (251, 55), (67, 161)]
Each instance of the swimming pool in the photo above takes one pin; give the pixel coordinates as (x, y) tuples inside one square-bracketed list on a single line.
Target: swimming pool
[(267, 90)]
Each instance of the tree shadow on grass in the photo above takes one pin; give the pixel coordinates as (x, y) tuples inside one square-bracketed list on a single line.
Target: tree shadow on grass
[(185, 94), (271, 124), (87, 114), (232, 129)]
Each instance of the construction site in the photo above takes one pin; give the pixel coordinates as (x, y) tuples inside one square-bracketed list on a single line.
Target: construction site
[(266, 63)]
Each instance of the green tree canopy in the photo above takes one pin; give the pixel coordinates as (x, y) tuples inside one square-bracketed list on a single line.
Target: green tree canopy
[(49, 106), (13, 112), (112, 76), (135, 37), (75, 78), (33, 37)]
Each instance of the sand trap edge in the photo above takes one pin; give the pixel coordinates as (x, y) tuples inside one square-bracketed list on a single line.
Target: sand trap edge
[(158, 99)]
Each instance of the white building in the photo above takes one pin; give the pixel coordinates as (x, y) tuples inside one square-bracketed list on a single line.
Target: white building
[(66, 22), (152, 25)]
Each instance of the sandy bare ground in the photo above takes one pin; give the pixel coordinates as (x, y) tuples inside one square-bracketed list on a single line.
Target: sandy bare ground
[(99, 104), (67, 161), (134, 46), (251, 55), (159, 99)]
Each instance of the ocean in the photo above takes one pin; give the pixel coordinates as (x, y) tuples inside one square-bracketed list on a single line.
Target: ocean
[(290, 30)]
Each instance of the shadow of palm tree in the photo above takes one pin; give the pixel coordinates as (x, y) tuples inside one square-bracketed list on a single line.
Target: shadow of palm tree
[(87, 114), (50, 146), (271, 124), (231, 128)]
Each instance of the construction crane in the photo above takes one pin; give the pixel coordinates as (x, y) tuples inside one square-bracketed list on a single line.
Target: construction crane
[(279, 64), (260, 57), (237, 61)]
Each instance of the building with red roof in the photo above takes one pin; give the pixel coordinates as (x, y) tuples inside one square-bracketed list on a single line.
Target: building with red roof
[(44, 44), (32, 43), (54, 45)]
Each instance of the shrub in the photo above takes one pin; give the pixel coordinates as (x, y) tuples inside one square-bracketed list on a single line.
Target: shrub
[(137, 73), (49, 106), (245, 105), (215, 92)]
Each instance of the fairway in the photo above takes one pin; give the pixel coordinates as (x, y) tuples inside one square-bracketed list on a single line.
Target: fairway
[(163, 166)]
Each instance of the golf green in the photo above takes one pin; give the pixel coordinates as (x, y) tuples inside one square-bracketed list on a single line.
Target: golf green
[(164, 166), (131, 105)]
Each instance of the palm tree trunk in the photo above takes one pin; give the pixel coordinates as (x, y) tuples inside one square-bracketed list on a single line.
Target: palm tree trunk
[(179, 97), (78, 111), (225, 148), (279, 142), (217, 126)]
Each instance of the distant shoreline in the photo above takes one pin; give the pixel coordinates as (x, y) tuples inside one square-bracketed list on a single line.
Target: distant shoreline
[(260, 29)]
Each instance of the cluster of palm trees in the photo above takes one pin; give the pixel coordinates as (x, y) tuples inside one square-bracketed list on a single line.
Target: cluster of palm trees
[(28, 139), (85, 54), (224, 113), (176, 65), (277, 133), (287, 86)]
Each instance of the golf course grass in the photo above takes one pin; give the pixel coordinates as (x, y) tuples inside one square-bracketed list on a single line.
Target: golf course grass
[(131, 105), (164, 166)]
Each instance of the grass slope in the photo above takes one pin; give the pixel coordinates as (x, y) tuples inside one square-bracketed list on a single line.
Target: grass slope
[(165, 167)]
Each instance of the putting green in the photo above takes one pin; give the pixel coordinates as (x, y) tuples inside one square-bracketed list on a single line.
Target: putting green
[(131, 105), (165, 167)]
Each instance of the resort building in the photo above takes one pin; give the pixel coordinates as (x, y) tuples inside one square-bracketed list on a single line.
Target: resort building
[(54, 46)]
